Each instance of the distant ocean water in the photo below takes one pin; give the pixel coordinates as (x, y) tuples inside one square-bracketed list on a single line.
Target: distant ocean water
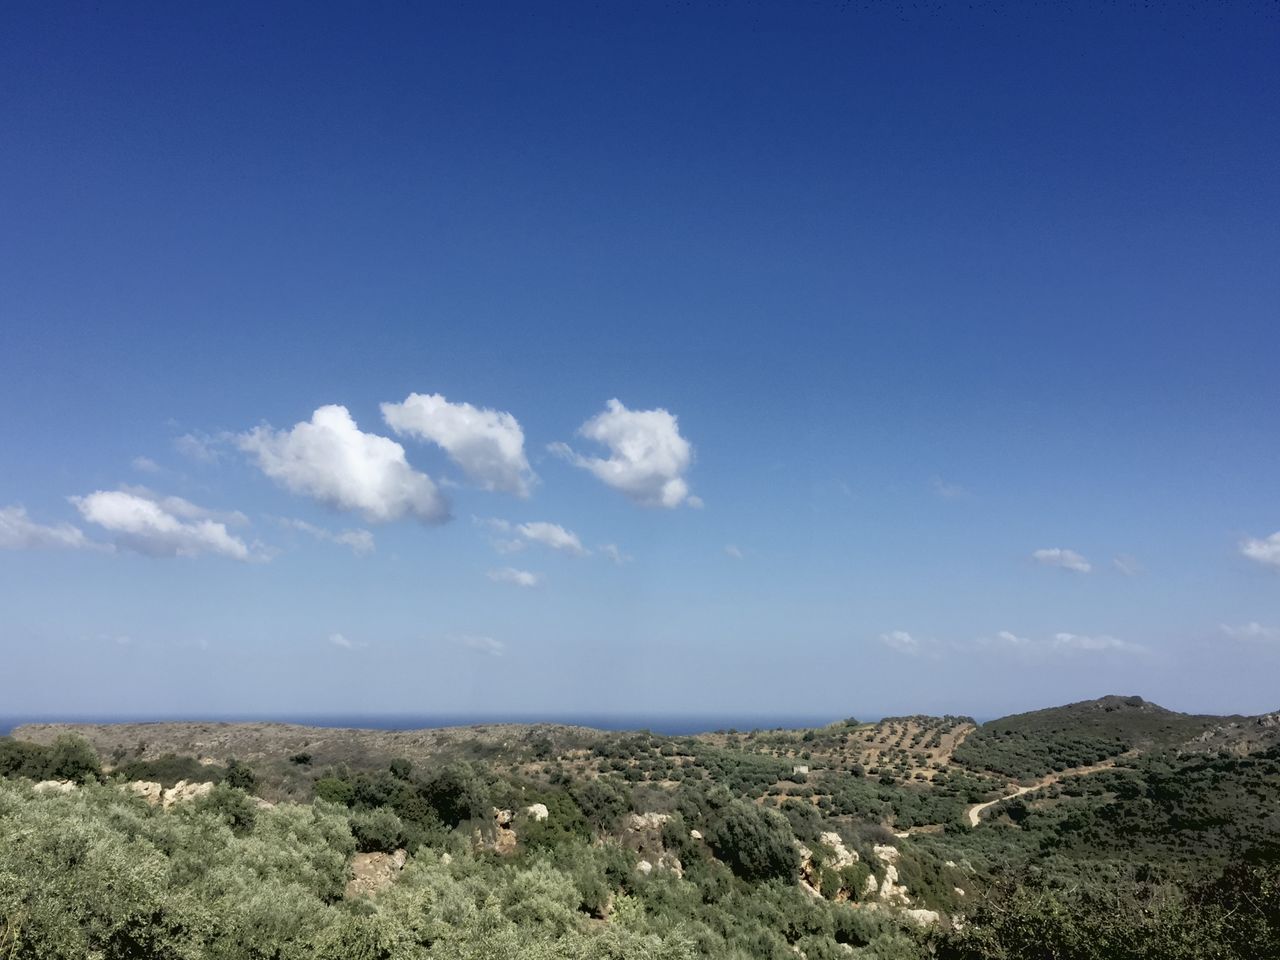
[(669, 724)]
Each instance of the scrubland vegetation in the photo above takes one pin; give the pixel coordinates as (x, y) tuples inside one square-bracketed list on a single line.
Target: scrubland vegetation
[(547, 844)]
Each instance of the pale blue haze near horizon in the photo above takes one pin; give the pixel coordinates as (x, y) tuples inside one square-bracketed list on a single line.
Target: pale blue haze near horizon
[(969, 317)]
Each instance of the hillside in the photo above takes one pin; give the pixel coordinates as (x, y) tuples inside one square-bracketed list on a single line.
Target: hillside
[(1027, 746), (897, 840)]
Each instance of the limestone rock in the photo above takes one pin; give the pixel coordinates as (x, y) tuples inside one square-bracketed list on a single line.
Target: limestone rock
[(148, 790), (538, 811), (372, 872), (54, 786), (183, 791), (695, 834), (887, 853), (924, 917), (842, 855), (647, 821)]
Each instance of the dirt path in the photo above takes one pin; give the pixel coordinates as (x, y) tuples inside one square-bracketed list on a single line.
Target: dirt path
[(976, 811)]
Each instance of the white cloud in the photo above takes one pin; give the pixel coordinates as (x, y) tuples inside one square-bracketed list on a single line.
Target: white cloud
[(487, 444), (1012, 639), (614, 553), (520, 578), (360, 541), (647, 455), (1265, 551), (1252, 631), (733, 551), (19, 532), (1062, 642), (1099, 642), (901, 641), (185, 509), (494, 648), (949, 491), (148, 526), (1127, 565), (338, 640), (1066, 559), (552, 535), (145, 465), (331, 459)]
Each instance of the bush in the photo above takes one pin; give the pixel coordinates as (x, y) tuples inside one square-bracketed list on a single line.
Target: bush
[(377, 831)]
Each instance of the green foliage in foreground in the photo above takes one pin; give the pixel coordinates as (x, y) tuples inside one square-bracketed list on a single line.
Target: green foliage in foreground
[(99, 873)]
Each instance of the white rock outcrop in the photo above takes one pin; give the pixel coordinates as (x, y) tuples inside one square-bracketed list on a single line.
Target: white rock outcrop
[(537, 811), (54, 786), (842, 856)]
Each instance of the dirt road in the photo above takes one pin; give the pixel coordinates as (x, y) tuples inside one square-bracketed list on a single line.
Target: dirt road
[(975, 812)]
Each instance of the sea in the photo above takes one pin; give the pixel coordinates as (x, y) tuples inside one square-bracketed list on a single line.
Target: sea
[(666, 724)]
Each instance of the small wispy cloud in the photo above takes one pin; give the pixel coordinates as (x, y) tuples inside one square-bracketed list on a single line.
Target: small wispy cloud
[(1062, 642), (1265, 551), (359, 540), (1127, 565), (1061, 557), (949, 491), (512, 538), (612, 552), (19, 532), (902, 642), (145, 465), (482, 644), (200, 447), (732, 550), (1252, 632), (340, 640), (519, 578)]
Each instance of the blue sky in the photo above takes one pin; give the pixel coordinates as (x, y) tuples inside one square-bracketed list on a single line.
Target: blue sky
[(921, 325)]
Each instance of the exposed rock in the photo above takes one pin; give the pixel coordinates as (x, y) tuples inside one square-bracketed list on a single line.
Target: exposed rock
[(887, 853), (869, 888), (669, 861), (54, 786), (843, 856), (810, 882), (538, 811), (647, 821), (372, 872), (504, 839), (148, 790), (183, 791), (890, 890), (644, 867), (924, 917), (695, 834), (446, 858), (959, 892)]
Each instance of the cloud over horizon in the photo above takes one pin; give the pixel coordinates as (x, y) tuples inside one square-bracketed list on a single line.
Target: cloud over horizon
[(161, 526), (647, 455), (519, 578), (330, 459), (360, 541), (1060, 557), (1265, 551), (488, 445), (19, 532)]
